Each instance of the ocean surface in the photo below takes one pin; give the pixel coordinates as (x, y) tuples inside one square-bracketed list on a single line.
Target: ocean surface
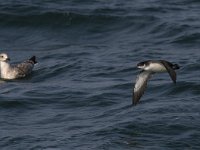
[(79, 96)]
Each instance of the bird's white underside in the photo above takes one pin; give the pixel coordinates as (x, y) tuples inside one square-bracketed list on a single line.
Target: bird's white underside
[(155, 67), (141, 79)]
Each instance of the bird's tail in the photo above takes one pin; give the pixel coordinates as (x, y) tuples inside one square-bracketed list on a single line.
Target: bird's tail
[(175, 66), (33, 59)]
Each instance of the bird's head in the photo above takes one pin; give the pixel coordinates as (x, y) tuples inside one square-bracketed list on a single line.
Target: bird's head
[(141, 65), (4, 57)]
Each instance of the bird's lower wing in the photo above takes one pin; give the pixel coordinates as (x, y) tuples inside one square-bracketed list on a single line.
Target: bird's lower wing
[(140, 86)]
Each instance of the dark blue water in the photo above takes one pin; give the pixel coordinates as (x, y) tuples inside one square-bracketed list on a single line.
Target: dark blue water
[(79, 95)]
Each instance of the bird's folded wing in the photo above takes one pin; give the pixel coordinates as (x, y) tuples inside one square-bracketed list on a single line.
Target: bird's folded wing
[(140, 86), (170, 70), (23, 69)]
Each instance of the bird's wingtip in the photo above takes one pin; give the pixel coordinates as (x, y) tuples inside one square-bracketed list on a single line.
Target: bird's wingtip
[(33, 59)]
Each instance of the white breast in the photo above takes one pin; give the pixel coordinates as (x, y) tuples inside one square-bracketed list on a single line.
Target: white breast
[(6, 71), (156, 67)]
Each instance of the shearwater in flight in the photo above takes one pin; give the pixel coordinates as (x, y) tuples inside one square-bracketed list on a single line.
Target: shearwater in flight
[(20, 70), (148, 68)]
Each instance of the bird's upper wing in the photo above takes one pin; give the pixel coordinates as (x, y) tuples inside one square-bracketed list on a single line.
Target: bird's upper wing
[(140, 85), (23, 69), (170, 70)]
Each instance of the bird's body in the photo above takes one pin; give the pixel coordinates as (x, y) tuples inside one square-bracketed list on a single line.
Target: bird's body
[(148, 68), (21, 70), (156, 68)]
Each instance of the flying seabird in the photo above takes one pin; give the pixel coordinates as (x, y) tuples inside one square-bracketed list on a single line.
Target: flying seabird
[(21, 70), (148, 68)]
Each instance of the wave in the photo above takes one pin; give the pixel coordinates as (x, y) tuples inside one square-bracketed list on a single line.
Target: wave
[(188, 39), (63, 19), (17, 104)]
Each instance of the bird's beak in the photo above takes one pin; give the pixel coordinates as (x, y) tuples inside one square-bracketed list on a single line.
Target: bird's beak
[(8, 59)]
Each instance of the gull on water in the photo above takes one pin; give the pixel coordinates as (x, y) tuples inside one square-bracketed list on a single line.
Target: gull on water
[(9, 71)]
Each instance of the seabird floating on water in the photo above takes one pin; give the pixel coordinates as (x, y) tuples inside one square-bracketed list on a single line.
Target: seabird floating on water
[(148, 68), (21, 70)]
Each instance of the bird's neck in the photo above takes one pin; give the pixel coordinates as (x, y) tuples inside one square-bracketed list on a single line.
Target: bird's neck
[(5, 66)]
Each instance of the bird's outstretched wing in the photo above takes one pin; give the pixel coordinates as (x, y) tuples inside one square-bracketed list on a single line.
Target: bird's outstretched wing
[(170, 70), (140, 85)]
